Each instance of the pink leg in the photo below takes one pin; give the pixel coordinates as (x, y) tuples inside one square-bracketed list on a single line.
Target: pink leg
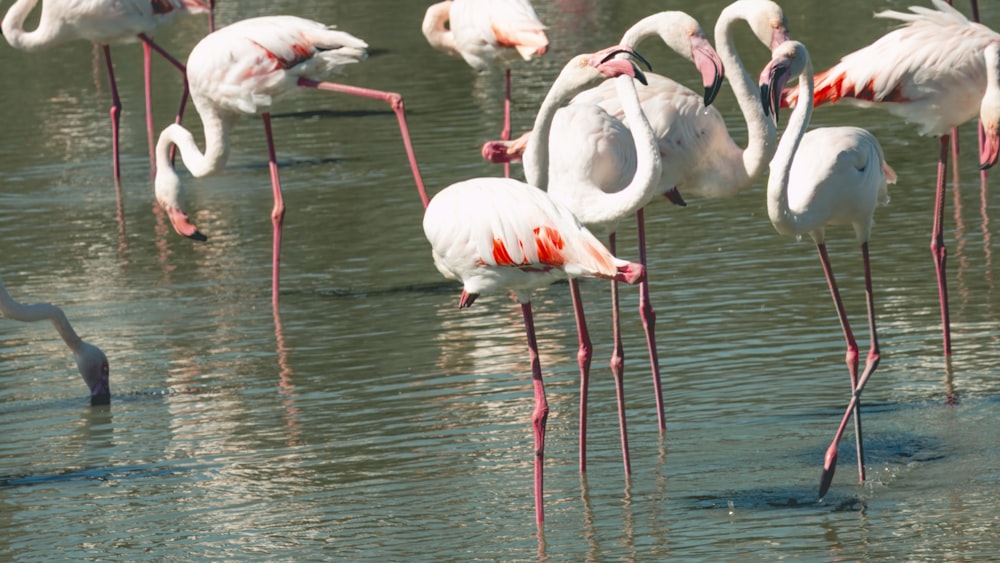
[(505, 133), (396, 102), (584, 355), (871, 364), (211, 16), (277, 213), (648, 317), (852, 350), (148, 43), (147, 81), (540, 414), (938, 249), (116, 110), (618, 365)]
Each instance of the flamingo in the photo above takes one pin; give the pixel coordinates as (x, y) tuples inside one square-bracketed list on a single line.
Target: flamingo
[(238, 70), (937, 70), (593, 151), (828, 176), (90, 360), (497, 234), (102, 22), (485, 32)]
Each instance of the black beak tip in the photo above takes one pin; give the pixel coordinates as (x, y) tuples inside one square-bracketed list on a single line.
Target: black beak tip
[(198, 235), (825, 480), (100, 400)]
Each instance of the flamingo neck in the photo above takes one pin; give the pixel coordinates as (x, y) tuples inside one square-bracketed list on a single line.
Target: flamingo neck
[(778, 211), (49, 30), (536, 157), (666, 25), (11, 309), (761, 132), (216, 127), (602, 210)]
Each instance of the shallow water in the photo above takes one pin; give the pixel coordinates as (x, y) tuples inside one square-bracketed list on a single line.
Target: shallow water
[(373, 420)]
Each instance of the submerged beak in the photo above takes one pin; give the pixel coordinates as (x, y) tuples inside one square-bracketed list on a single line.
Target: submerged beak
[(100, 395)]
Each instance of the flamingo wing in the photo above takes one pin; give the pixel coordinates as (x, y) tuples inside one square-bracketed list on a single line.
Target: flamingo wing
[(494, 233), (930, 71)]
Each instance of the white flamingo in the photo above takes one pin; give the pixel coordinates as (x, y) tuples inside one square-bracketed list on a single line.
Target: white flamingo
[(239, 70), (496, 234), (938, 70), (90, 360), (828, 176), (487, 32), (102, 22)]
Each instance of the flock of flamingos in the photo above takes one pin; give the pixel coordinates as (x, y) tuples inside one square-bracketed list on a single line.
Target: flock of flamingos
[(600, 149)]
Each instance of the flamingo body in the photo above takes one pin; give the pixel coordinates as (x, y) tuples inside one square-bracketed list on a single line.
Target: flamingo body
[(485, 32), (498, 233), (97, 21), (242, 67), (838, 177)]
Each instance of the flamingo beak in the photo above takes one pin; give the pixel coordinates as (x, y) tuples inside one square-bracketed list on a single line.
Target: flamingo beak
[(772, 81), (990, 146), (100, 395), (709, 65), (612, 65), (183, 225)]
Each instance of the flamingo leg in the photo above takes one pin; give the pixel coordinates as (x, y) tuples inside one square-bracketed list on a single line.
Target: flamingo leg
[(277, 213), (583, 357), (648, 317), (938, 249), (147, 45), (618, 365), (830, 459), (852, 352), (505, 133), (148, 84), (211, 16), (396, 102), (540, 414), (116, 111)]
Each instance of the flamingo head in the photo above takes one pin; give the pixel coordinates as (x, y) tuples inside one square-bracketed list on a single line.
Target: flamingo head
[(167, 186), (93, 366), (617, 61), (787, 61), (989, 109), (766, 19)]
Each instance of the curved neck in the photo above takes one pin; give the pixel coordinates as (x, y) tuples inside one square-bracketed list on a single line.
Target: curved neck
[(761, 132), (216, 127), (49, 31), (606, 208), (16, 311), (777, 183)]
